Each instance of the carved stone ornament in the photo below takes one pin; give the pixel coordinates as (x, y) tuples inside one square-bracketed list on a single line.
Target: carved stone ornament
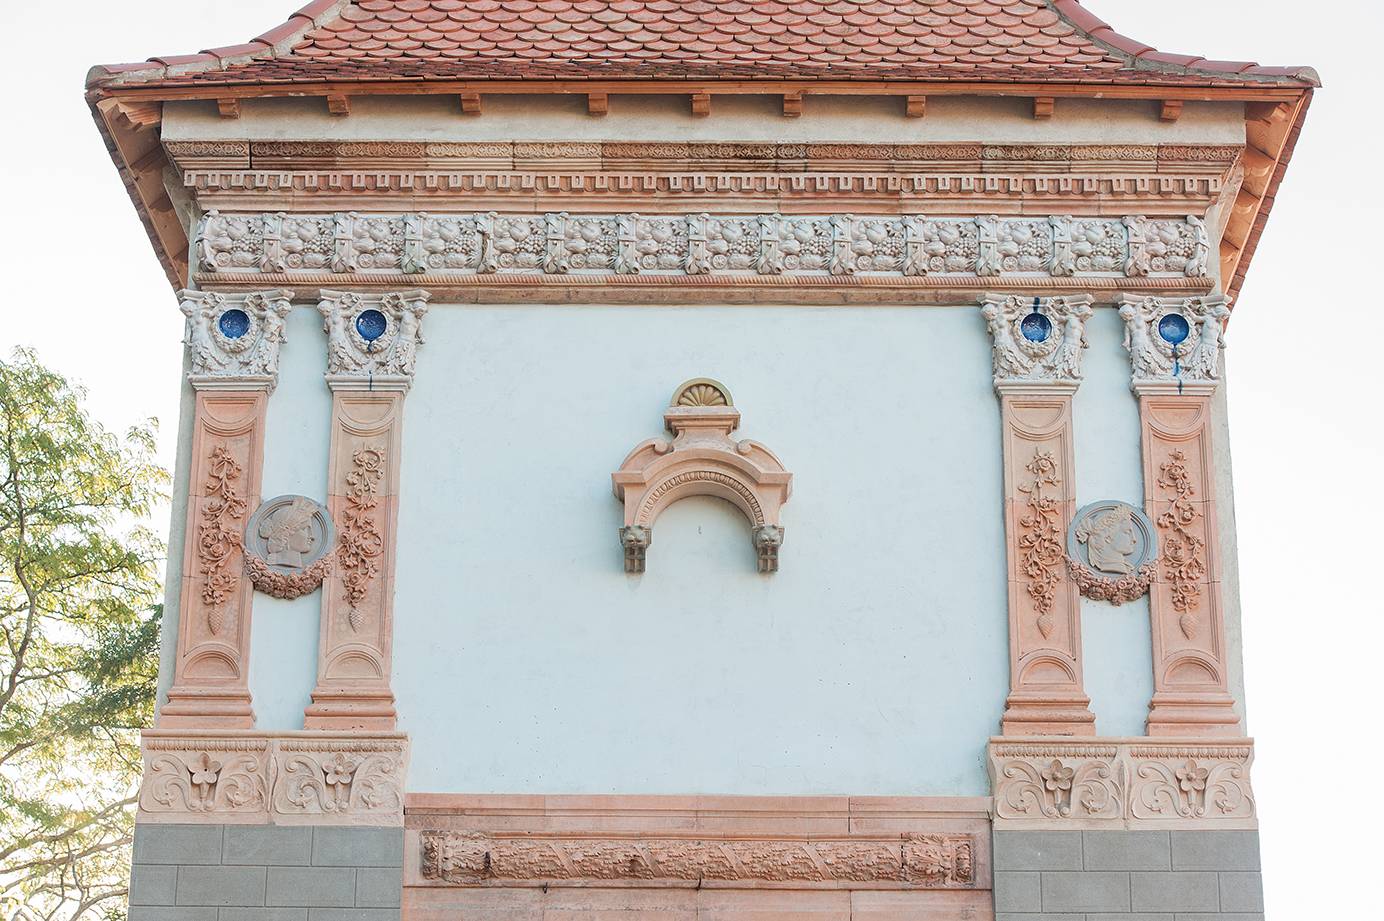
[(628, 243), (1122, 783), (1149, 321), (233, 339), (288, 546), (940, 861), (1112, 551), (701, 460), (1036, 340), (296, 778), (373, 339)]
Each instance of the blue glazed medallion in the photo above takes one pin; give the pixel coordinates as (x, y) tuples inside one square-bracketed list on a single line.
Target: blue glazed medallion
[(234, 323), (371, 324), (1174, 328)]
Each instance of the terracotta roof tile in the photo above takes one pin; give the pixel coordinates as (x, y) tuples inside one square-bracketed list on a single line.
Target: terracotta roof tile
[(1029, 40)]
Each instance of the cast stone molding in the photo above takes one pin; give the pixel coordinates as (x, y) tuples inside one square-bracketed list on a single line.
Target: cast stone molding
[(928, 861), (1175, 340), (1122, 783), (701, 460), (1036, 340), (442, 244), (288, 545), (372, 339), (302, 778), (233, 339)]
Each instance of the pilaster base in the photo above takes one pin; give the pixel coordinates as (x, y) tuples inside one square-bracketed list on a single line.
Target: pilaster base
[(207, 708), (351, 709), (1057, 714), (1211, 715)]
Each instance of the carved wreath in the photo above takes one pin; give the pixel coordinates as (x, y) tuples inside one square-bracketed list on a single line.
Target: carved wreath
[(1114, 590), (286, 585)]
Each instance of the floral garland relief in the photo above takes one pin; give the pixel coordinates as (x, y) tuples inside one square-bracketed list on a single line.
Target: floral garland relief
[(362, 544), (286, 585), (1184, 559), (216, 539), (1040, 541)]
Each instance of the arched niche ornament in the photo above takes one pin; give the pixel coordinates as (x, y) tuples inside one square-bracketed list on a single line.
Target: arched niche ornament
[(702, 459)]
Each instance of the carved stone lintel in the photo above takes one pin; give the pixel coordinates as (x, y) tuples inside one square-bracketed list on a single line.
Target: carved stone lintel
[(233, 339), (929, 861), (702, 459), (1036, 340), (1122, 783), (302, 778), (1157, 361)]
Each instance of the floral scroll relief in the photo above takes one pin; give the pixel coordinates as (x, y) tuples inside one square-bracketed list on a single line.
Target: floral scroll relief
[(922, 861), (1184, 552), (1040, 538), (1056, 357), (765, 243), (205, 776), (1191, 783), (338, 778), (217, 535), (362, 542), (1076, 782)]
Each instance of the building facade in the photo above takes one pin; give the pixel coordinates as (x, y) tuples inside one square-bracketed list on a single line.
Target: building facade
[(677, 459)]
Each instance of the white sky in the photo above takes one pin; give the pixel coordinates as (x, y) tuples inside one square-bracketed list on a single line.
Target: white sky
[(1304, 362)]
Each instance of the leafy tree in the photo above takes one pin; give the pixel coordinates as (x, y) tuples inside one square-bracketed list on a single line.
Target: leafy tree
[(79, 582)]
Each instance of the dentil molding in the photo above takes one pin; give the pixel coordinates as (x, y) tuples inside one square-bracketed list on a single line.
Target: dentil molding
[(1036, 340), (1122, 783), (233, 339), (372, 339), (701, 460), (292, 778), (365, 246), (1175, 341)]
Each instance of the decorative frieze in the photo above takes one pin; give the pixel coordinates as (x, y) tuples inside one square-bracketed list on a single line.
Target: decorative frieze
[(305, 778), (1122, 783), (699, 244), (930, 861), (701, 459), (233, 340)]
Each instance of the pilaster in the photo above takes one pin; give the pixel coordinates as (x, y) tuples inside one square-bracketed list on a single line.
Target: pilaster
[(1037, 355), (1175, 348), (372, 343), (233, 341)]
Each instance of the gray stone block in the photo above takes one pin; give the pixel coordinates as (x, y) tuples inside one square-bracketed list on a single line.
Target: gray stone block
[(1041, 916), (312, 887), (1037, 850), (1177, 891), (357, 847), (267, 845), (153, 885), (177, 844), (1215, 850), (1226, 916), (1127, 850), (1131, 916), (1242, 892), (1093, 890), (221, 886), (379, 887), (264, 914), (169, 913), (354, 914), (1017, 891)]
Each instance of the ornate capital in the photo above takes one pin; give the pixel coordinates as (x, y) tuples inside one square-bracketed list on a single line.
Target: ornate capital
[(372, 339), (1175, 342), (233, 339), (1036, 340)]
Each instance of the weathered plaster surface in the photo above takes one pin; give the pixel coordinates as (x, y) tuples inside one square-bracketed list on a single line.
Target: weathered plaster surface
[(733, 118)]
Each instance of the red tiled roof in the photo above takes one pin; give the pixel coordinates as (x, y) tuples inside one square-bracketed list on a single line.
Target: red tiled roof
[(976, 40)]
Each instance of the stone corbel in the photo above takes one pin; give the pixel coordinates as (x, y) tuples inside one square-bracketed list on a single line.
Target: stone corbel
[(1175, 347), (1037, 349), (233, 356), (372, 348), (701, 460)]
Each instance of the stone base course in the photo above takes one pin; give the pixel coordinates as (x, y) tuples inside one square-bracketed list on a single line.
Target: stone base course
[(266, 873), (1127, 876)]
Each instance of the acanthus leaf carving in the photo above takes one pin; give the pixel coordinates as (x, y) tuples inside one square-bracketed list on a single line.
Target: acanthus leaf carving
[(234, 339)]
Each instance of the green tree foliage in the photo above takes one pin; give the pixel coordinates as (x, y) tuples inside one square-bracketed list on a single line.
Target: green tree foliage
[(79, 583)]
